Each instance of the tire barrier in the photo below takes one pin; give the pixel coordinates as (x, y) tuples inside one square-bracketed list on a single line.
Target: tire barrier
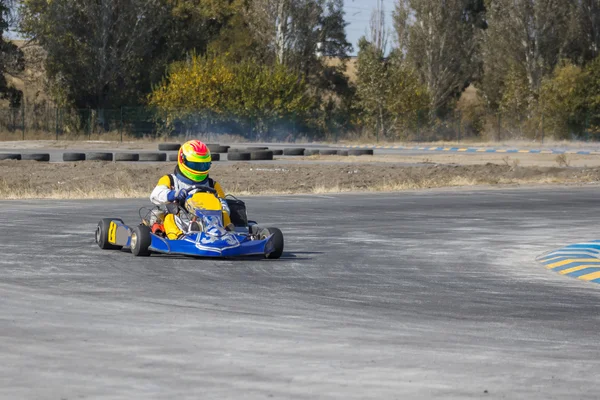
[(328, 152), (214, 157), (311, 152), (153, 157), (127, 157), (36, 157), (343, 153), (169, 146), (254, 148), (10, 156), (277, 152), (360, 152), (239, 156), (216, 148), (261, 155), (73, 156), (99, 156), (293, 151)]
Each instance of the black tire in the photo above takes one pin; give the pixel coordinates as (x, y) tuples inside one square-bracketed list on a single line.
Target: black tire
[(140, 241), (73, 157), (216, 148), (277, 242), (168, 146), (153, 157), (99, 156), (102, 234), (278, 152), (311, 152), (254, 148), (328, 152), (10, 156), (237, 150), (127, 157), (261, 155), (343, 153), (213, 156), (36, 157), (293, 151), (238, 156), (360, 152)]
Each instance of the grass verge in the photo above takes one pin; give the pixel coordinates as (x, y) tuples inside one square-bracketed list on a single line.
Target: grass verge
[(105, 180)]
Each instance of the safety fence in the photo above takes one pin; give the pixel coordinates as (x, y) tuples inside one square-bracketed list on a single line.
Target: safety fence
[(55, 123)]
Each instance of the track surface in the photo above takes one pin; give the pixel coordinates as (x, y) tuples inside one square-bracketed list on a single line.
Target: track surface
[(411, 295)]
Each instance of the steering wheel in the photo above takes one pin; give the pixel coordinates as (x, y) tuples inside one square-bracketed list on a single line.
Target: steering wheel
[(201, 189)]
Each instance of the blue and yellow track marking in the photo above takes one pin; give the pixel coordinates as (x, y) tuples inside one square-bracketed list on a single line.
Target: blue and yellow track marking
[(581, 261), (479, 150)]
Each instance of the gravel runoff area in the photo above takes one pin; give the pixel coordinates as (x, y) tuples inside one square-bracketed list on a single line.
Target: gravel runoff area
[(288, 175), (96, 179)]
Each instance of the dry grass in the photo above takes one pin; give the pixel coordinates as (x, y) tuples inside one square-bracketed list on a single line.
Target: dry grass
[(98, 180), (562, 160), (513, 143)]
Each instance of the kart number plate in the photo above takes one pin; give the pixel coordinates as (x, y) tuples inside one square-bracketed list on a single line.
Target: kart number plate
[(112, 233)]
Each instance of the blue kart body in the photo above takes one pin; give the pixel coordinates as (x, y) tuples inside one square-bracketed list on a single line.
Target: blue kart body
[(201, 230), (201, 244)]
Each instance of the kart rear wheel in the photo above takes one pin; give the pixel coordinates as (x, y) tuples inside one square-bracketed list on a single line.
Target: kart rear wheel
[(277, 242), (140, 241), (102, 234)]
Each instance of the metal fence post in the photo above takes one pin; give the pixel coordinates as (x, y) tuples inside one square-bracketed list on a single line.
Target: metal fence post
[(418, 124), (587, 126), (499, 134), (89, 123), (121, 125), (56, 123), (458, 123), (542, 128), (23, 120)]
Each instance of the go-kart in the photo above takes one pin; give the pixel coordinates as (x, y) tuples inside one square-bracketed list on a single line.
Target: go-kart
[(207, 236)]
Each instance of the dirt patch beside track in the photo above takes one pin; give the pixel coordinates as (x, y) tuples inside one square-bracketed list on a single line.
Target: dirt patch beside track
[(29, 179)]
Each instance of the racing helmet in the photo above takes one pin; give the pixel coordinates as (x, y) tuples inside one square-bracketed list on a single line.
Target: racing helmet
[(194, 160)]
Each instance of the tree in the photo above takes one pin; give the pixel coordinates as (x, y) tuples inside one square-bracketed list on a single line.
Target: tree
[(563, 100), (441, 41), (107, 53), (293, 32), (389, 93), (243, 92), (333, 30), (527, 37), (11, 57)]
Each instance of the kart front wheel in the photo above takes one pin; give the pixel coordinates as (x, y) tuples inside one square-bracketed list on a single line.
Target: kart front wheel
[(277, 241), (102, 231), (140, 241)]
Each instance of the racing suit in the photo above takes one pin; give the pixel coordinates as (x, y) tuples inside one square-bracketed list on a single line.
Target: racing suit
[(174, 225)]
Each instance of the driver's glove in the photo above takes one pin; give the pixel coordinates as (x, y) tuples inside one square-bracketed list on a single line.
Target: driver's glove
[(225, 206), (177, 195)]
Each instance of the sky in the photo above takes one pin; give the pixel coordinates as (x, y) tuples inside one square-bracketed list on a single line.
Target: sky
[(358, 15)]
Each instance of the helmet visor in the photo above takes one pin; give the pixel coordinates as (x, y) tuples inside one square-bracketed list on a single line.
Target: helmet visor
[(197, 166)]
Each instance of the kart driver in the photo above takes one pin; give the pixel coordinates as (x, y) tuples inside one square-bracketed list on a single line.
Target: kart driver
[(193, 164)]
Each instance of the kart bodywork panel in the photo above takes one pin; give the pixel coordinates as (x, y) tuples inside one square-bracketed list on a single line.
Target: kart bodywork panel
[(217, 243)]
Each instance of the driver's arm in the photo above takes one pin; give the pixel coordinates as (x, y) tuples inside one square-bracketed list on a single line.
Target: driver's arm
[(160, 194), (220, 191)]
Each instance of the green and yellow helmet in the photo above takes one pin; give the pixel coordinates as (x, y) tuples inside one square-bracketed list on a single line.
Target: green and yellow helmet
[(194, 160)]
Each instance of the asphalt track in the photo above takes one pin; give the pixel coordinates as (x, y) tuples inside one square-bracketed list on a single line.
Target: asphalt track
[(411, 295)]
